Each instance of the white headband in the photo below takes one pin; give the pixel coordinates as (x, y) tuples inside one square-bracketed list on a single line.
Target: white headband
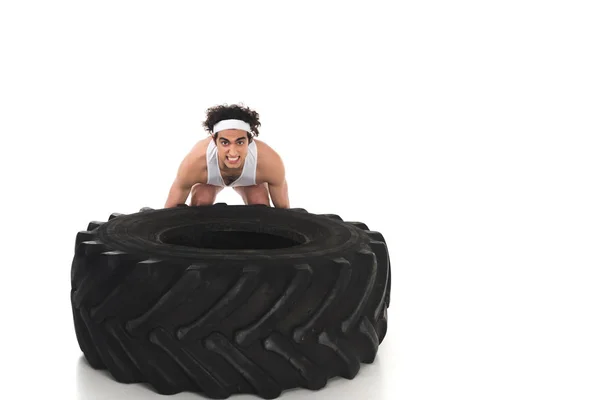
[(231, 124)]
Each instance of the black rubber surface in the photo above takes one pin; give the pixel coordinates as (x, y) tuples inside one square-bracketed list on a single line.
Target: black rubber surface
[(229, 299)]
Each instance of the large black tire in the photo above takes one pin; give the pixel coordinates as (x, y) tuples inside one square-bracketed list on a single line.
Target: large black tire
[(228, 299)]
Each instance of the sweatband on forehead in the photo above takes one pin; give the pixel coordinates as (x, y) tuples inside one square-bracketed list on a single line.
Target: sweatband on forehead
[(231, 124)]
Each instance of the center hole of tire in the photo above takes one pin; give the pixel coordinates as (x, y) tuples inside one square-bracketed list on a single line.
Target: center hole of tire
[(227, 239)]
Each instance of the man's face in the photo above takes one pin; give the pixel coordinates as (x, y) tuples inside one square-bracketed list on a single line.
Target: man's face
[(232, 145)]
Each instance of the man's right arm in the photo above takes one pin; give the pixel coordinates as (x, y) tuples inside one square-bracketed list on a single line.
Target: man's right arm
[(178, 194), (182, 185)]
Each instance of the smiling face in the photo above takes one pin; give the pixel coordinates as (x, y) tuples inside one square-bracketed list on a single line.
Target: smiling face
[(232, 147)]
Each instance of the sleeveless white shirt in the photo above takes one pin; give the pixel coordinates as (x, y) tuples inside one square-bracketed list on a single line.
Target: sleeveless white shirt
[(248, 176)]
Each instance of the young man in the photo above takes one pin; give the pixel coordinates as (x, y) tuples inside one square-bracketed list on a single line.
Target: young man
[(230, 157)]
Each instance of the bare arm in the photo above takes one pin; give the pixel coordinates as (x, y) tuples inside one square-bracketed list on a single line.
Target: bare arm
[(279, 194), (182, 185), (178, 194), (277, 184)]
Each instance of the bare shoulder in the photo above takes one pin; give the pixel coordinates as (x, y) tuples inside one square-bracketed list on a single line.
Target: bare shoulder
[(267, 154), (199, 148), (270, 166), (193, 168)]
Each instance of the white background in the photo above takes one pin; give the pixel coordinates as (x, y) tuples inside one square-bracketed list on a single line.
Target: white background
[(466, 132)]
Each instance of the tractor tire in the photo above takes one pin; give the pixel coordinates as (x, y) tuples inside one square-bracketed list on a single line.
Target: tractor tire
[(227, 299)]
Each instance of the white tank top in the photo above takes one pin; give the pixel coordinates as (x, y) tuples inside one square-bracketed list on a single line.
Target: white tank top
[(248, 176)]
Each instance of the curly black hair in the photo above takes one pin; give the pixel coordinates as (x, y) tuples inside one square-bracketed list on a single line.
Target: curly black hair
[(235, 111)]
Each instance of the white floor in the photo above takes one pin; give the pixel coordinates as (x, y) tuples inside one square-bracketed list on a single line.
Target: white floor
[(465, 132)]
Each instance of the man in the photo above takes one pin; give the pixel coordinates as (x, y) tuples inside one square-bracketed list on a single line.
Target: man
[(230, 157)]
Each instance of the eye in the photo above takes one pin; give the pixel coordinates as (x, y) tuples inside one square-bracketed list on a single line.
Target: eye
[(241, 142), (223, 143)]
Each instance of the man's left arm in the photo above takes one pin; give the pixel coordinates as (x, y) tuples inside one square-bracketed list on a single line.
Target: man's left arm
[(277, 184), (279, 194)]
